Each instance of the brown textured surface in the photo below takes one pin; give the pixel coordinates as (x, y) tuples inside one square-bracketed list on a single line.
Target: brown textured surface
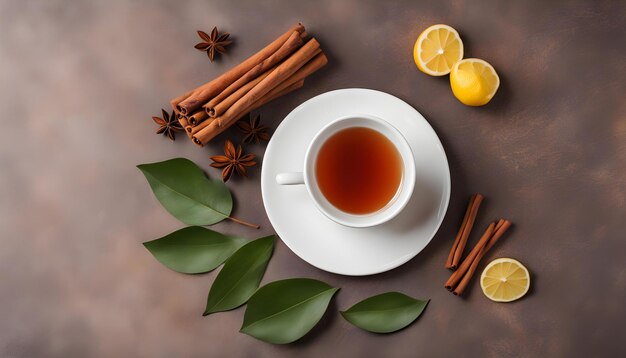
[(80, 80)]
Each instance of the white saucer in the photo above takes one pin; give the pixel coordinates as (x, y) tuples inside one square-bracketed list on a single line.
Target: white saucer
[(340, 249)]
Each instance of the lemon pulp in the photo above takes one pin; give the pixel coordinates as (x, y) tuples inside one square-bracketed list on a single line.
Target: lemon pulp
[(437, 49), (505, 280)]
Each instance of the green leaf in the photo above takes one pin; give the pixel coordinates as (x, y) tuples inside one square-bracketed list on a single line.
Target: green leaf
[(240, 276), (385, 313), (284, 311), (193, 249), (185, 192)]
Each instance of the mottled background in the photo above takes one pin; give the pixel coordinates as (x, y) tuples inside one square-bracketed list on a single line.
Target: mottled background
[(79, 82)]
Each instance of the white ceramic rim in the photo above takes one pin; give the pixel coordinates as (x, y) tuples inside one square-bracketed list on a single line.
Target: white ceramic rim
[(407, 183), (302, 243)]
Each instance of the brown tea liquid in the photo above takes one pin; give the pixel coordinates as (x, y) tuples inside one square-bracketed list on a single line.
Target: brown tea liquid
[(358, 170)]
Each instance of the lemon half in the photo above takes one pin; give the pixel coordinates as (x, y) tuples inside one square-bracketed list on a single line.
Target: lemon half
[(474, 82), (437, 49), (505, 280)]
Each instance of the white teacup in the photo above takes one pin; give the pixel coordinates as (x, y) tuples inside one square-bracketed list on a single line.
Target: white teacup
[(309, 179)]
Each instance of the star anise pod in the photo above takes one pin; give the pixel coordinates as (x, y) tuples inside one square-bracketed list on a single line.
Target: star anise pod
[(252, 130), (168, 124), (233, 160), (213, 43)]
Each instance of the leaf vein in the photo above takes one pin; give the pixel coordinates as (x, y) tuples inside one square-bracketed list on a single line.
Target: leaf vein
[(250, 268), (187, 196), (288, 308)]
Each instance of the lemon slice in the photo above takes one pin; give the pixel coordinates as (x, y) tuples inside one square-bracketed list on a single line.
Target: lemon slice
[(437, 49), (505, 280), (474, 82)]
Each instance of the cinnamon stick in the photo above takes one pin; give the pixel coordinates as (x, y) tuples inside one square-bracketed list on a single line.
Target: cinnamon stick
[(277, 92), (465, 230), (498, 233), (197, 117), (499, 224), (212, 108), (295, 81), (174, 103), (458, 235), (474, 265), (280, 73), (204, 93), (458, 274), (211, 127), (183, 123), (203, 133), (293, 42), (317, 62)]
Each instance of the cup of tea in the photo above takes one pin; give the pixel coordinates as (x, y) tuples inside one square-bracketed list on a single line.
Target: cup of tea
[(359, 171)]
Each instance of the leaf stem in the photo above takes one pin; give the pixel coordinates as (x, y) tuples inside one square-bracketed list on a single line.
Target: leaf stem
[(255, 226)]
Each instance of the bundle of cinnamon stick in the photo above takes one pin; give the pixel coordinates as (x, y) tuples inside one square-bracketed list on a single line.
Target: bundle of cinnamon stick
[(274, 71), (465, 271)]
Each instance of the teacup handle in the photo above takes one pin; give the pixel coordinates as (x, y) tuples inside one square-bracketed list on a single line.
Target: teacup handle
[(293, 178)]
